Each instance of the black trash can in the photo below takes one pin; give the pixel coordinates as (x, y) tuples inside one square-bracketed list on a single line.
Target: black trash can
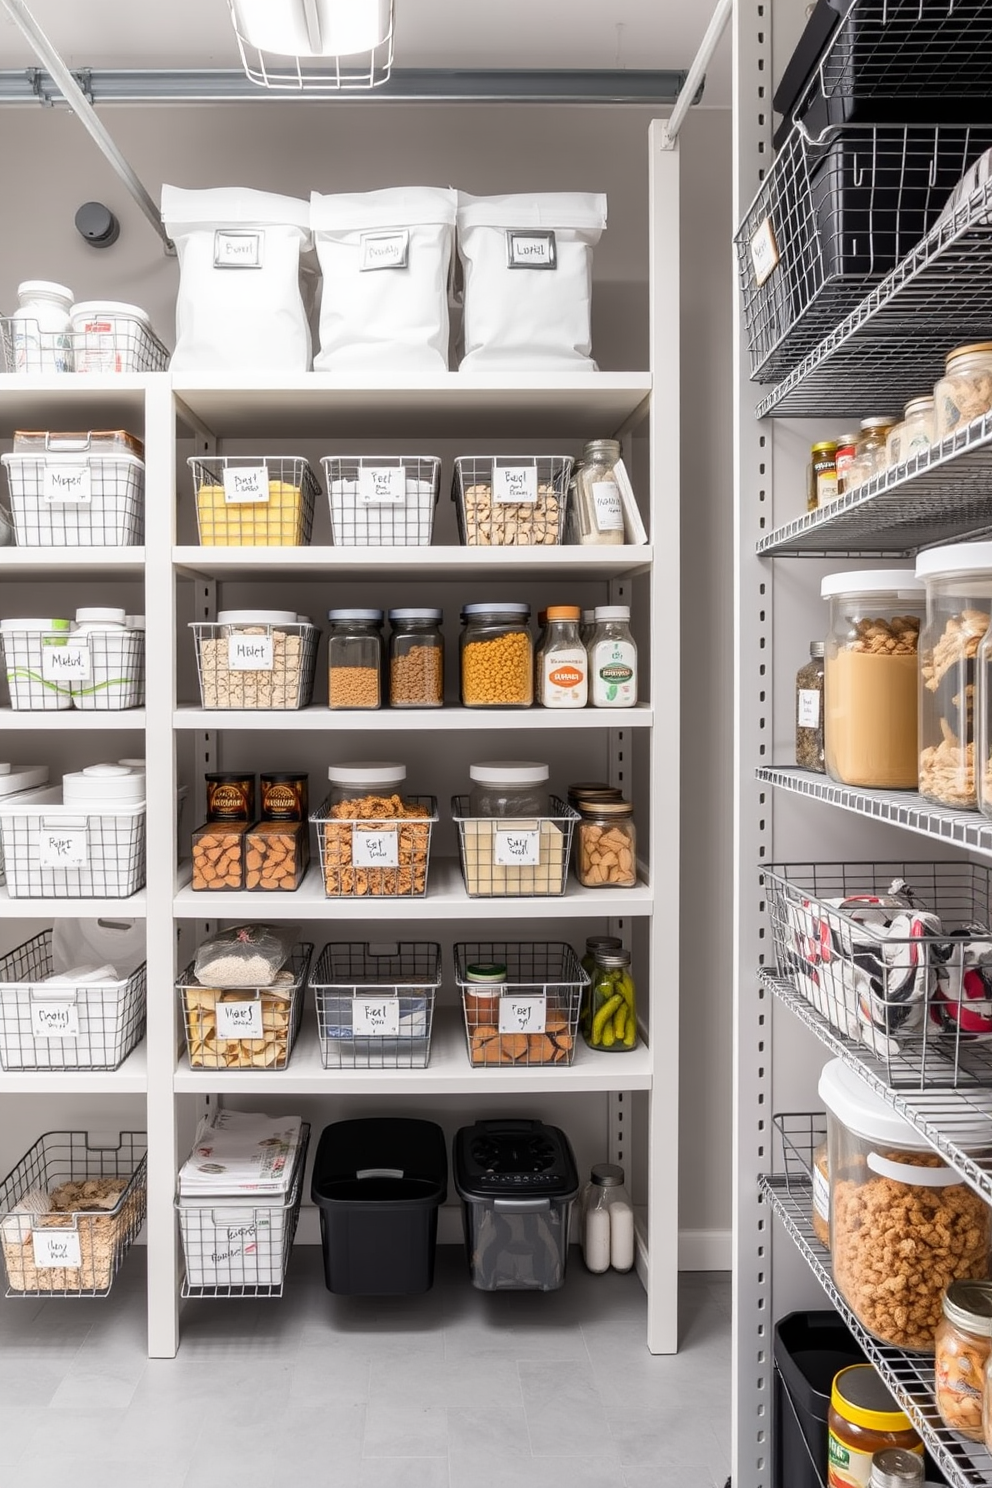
[(517, 1181), (378, 1183), (810, 1349)]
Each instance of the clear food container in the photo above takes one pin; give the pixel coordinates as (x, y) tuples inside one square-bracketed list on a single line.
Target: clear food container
[(964, 393), (959, 601), (254, 501), (903, 1225), (511, 500), (870, 454), (416, 659), (109, 336), (606, 844), (255, 659), (382, 501), (509, 788), (914, 435), (497, 656), (355, 655), (598, 506), (870, 678)]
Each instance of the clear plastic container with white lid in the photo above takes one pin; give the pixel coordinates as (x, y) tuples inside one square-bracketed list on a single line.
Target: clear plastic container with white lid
[(137, 622), (516, 788), (958, 581), (32, 683), (352, 782), (40, 328), (257, 617), (95, 618), (903, 1224), (103, 784), (111, 336)]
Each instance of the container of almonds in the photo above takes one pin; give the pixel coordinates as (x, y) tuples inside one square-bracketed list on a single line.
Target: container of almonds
[(605, 843), (374, 839), (511, 500), (244, 1028)]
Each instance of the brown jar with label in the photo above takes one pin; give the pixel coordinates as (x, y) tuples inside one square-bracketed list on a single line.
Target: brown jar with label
[(864, 1419), (230, 796), (284, 796)]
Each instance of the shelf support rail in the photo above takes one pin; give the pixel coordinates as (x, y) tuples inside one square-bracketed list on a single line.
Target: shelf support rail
[(695, 77), (85, 112)]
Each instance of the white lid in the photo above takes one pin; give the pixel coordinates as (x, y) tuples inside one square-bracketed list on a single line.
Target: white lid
[(104, 782), (866, 1114), (957, 558), (14, 778), (14, 626), (612, 612), (97, 309), (137, 622), (32, 287), (256, 617), (101, 615), (375, 615), (133, 764), (415, 614), (376, 772), (509, 772), (899, 581)]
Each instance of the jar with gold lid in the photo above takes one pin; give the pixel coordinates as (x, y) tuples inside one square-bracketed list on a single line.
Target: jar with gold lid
[(864, 1420), (964, 393), (962, 1347)]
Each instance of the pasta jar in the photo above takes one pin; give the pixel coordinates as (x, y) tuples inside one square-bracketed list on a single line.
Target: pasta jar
[(598, 507), (964, 393), (562, 661), (497, 656), (416, 659), (607, 1221), (612, 1018), (962, 1348), (870, 671), (354, 659), (613, 659), (958, 580), (606, 845), (356, 782), (863, 1420)]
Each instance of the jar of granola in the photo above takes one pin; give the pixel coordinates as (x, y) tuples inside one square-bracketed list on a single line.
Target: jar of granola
[(958, 581), (964, 393), (962, 1347)]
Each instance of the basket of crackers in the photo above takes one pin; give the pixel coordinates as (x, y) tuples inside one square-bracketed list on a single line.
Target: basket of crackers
[(244, 1027)]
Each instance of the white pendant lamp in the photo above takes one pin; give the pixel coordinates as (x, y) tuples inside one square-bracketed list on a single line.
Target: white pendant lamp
[(315, 44)]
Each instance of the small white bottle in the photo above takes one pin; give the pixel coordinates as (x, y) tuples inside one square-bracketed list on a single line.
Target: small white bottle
[(563, 664), (613, 659), (42, 328)]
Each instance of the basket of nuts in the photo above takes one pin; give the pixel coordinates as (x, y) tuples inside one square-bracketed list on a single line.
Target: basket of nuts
[(530, 1016), (511, 500), (244, 1028)]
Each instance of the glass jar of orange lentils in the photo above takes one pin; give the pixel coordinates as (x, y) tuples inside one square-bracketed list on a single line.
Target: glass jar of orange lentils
[(497, 656)]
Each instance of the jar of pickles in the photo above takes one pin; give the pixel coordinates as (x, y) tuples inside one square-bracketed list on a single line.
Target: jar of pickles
[(611, 1019), (964, 393), (354, 659), (962, 1348), (497, 656), (958, 582)]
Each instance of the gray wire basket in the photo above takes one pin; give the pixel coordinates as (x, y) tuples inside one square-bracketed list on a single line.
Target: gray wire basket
[(375, 1004), (276, 510), (532, 1017), (503, 858), (123, 344), (251, 1028), (511, 500), (351, 847), (382, 501), (283, 677)]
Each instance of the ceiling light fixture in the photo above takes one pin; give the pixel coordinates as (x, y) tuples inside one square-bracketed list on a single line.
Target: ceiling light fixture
[(315, 45)]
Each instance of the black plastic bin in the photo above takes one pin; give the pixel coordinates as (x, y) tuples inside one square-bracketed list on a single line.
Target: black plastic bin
[(810, 1348), (378, 1183)]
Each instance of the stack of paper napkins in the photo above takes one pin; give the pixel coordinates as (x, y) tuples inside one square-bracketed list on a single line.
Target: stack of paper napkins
[(241, 1153)]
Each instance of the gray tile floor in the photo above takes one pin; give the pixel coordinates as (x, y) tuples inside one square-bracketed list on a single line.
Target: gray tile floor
[(456, 1389)]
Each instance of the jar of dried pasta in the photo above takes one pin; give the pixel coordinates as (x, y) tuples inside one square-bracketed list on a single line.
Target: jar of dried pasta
[(964, 392), (962, 1348), (416, 659), (497, 656), (354, 659), (958, 582)]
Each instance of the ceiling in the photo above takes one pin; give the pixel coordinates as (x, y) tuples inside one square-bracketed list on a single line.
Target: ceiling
[(597, 34)]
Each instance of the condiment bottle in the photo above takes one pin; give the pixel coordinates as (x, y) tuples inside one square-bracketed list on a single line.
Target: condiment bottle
[(863, 1419), (607, 1221), (962, 1346), (847, 449), (870, 458), (613, 659), (895, 1468), (823, 465), (41, 327), (562, 662), (809, 711), (598, 507)]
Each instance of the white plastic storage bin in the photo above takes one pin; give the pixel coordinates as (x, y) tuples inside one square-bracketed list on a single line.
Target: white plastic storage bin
[(63, 1026), (18, 780), (76, 499), (375, 1004), (382, 501), (58, 851)]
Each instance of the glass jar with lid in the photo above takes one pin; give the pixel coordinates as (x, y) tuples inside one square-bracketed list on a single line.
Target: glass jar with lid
[(416, 659), (863, 1420), (822, 474), (914, 435), (354, 659), (353, 782), (964, 393), (497, 656), (562, 661), (598, 507), (612, 1019), (870, 678), (958, 582), (607, 1221), (605, 843), (485, 983), (516, 788), (612, 659), (869, 458), (847, 449), (961, 1355), (41, 327), (595, 944), (809, 710)]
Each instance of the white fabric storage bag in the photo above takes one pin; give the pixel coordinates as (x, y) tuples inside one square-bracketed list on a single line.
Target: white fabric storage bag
[(385, 258), (527, 266), (240, 305)]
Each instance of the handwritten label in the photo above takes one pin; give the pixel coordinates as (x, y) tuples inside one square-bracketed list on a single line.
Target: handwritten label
[(238, 250), (517, 849), (764, 252), (63, 847), (56, 1248), (608, 506), (375, 849), (523, 1014), (387, 250), (59, 661), (55, 1020), (239, 1020), (375, 1017), (809, 708), (246, 484), (67, 485), (517, 483), (249, 653), (382, 485), (531, 250)]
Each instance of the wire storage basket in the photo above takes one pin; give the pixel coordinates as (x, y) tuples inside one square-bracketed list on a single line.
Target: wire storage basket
[(77, 499), (89, 1025), (248, 1027), (511, 500), (375, 1004), (530, 1018), (66, 852), (503, 857), (109, 674), (69, 1213), (234, 1249), (248, 665), (116, 673), (382, 501), (375, 857), (830, 221), (287, 48), (896, 957), (254, 501), (120, 343)]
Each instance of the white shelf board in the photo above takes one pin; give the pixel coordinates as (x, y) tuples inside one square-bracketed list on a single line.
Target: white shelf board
[(446, 899), (411, 720), (72, 909), (73, 400), (71, 719), (66, 563), (505, 404), (130, 1079), (449, 1071), (429, 564)]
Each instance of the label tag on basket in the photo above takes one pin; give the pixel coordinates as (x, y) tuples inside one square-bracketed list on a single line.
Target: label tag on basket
[(63, 847), (249, 483), (609, 508), (375, 849), (531, 250), (234, 249), (385, 250), (54, 1020), (382, 485), (60, 661), (764, 252), (249, 653), (522, 1014), (239, 1020), (67, 484), (375, 1017), (517, 849), (517, 483), (56, 1248)]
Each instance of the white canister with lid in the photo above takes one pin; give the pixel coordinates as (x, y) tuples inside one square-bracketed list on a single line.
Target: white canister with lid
[(352, 781), (108, 336), (116, 660), (509, 788), (103, 786), (41, 326), (38, 663)]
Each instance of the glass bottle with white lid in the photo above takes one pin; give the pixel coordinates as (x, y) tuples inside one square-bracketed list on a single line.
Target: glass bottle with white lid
[(509, 788), (612, 659), (41, 327), (954, 668)]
